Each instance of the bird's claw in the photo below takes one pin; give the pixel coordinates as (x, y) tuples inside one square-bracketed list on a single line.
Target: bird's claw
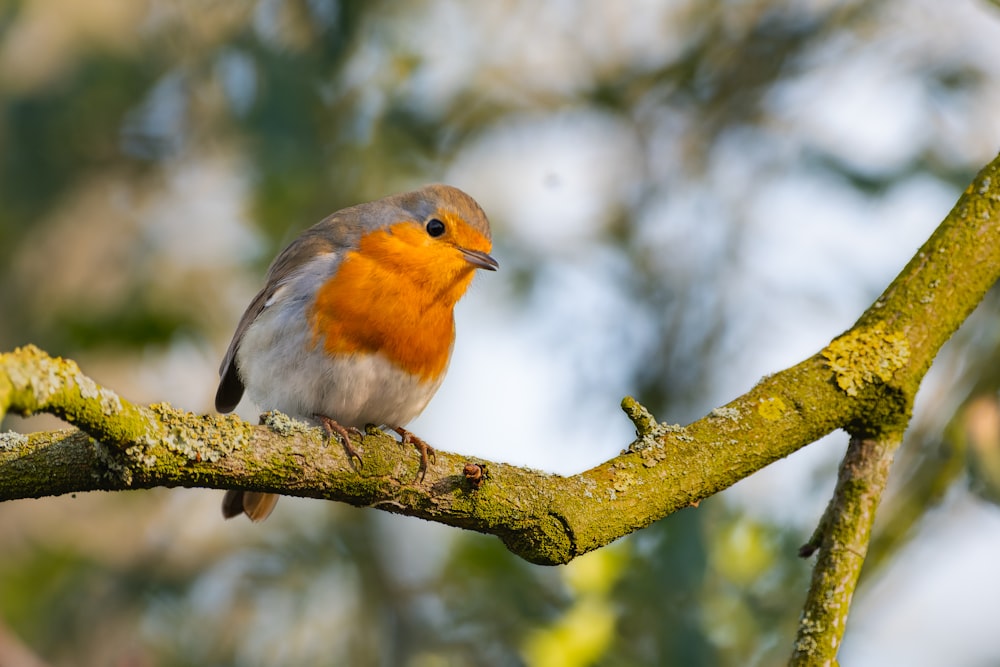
[(332, 427), (427, 453)]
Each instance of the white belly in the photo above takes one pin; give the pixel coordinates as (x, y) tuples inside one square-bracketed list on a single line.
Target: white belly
[(282, 370)]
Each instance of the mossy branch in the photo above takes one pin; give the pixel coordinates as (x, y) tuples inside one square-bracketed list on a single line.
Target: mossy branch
[(542, 517), (864, 382), (842, 540), (894, 341)]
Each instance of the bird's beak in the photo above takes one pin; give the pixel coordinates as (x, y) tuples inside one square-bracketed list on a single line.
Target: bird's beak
[(480, 260)]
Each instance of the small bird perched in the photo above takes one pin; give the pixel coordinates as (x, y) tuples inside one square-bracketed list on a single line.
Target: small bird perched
[(355, 323)]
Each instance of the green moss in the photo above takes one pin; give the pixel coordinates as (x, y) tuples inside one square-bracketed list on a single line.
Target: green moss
[(644, 421), (544, 542), (109, 401), (201, 438), (39, 382), (43, 385)]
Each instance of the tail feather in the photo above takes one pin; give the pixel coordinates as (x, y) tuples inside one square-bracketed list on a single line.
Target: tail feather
[(254, 504)]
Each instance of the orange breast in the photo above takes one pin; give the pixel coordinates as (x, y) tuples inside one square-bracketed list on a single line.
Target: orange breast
[(396, 295)]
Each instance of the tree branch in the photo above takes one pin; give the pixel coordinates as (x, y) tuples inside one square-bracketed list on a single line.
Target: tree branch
[(864, 382), (936, 291), (541, 517), (842, 540)]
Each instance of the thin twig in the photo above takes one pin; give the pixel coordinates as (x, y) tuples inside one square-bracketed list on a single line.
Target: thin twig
[(842, 540)]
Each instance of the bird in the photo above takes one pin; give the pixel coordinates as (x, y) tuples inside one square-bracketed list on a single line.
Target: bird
[(355, 323)]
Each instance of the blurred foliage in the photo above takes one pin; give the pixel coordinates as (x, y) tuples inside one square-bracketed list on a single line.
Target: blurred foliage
[(318, 104)]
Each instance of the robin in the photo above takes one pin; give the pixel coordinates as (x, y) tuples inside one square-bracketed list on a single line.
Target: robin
[(355, 323)]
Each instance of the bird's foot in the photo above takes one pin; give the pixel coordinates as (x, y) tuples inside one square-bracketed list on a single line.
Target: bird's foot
[(426, 451), (333, 427)]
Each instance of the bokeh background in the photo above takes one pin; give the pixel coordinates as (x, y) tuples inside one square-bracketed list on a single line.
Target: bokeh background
[(685, 196)]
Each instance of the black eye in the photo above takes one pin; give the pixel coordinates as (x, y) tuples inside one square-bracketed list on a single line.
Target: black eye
[(435, 227)]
